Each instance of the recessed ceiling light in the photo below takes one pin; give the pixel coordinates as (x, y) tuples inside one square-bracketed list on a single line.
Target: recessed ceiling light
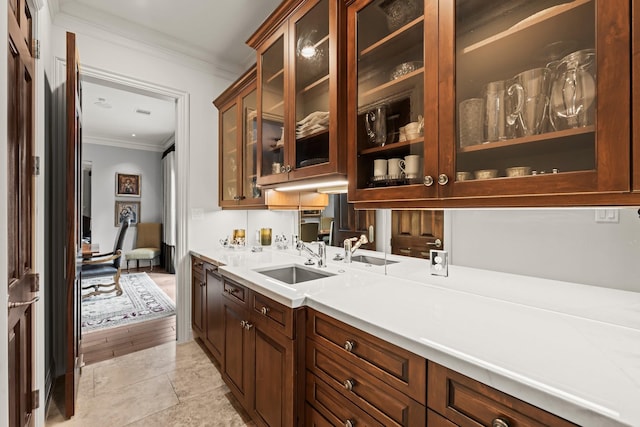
[(133, 134), (102, 103), (141, 111)]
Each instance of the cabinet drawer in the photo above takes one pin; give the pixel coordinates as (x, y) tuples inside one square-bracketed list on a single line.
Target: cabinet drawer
[(436, 420), (197, 263), (234, 291), (334, 407), (468, 402), (272, 314), (380, 400), (397, 367), (313, 418)]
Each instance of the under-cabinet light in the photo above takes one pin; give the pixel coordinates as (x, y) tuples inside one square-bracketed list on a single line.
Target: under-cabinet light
[(313, 185)]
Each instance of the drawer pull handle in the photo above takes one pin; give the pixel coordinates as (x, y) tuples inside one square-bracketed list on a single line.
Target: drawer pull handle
[(349, 423), (264, 310), (499, 422), (199, 264), (202, 284), (231, 291), (349, 384), (349, 345)]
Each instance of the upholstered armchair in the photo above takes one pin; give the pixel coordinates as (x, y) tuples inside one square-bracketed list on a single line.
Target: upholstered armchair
[(147, 244), (105, 265)]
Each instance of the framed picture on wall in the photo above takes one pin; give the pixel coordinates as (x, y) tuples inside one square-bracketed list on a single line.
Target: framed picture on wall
[(127, 185), (126, 209)]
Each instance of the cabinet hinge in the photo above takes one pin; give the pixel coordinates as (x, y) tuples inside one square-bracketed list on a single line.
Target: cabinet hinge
[(35, 399), (36, 165), (34, 278), (36, 48)]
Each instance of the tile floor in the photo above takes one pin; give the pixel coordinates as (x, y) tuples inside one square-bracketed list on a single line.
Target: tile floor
[(169, 385)]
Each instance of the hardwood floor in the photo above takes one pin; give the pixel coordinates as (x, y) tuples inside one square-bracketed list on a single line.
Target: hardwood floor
[(109, 343)]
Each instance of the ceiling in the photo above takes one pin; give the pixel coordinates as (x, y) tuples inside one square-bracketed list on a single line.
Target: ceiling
[(213, 31)]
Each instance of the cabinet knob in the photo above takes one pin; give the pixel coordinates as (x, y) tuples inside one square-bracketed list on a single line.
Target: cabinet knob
[(243, 323), (264, 310), (499, 422), (349, 423), (248, 325), (428, 181), (199, 264), (349, 345), (201, 284), (288, 169), (348, 384), (443, 179)]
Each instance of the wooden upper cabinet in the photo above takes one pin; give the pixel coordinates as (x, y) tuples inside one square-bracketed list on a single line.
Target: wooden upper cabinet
[(238, 133), (300, 79), (528, 98)]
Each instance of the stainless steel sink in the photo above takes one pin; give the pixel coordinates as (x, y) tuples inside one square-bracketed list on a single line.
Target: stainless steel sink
[(371, 260), (293, 274)]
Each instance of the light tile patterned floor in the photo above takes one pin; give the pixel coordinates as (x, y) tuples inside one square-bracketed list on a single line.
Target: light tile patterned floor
[(169, 385)]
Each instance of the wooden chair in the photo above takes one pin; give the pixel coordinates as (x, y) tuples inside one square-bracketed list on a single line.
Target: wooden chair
[(105, 264), (147, 244)]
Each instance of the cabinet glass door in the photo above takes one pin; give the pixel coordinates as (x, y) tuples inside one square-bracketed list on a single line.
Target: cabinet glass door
[(530, 109), (273, 135), (389, 56), (312, 107), (230, 188), (250, 138)]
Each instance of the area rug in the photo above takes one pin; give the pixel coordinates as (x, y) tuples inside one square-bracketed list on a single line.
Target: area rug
[(141, 300)]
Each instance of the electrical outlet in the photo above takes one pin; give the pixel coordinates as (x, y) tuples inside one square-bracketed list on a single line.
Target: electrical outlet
[(439, 263)]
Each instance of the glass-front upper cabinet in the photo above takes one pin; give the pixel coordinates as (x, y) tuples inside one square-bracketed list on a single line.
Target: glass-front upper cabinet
[(238, 133), (392, 98), (299, 76), (536, 97)]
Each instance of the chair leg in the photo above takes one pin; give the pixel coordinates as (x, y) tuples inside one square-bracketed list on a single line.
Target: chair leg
[(97, 291)]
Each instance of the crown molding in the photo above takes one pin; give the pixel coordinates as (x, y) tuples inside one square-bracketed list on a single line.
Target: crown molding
[(121, 143), (54, 8), (145, 41), (168, 142)]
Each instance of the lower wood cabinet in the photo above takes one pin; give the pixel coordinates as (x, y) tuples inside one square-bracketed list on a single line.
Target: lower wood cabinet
[(198, 296), (467, 402), (259, 357), (354, 377), (214, 334)]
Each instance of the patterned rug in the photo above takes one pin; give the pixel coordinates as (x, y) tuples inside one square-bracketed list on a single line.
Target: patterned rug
[(141, 300)]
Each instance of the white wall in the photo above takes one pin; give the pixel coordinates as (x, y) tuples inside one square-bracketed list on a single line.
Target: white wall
[(561, 244), (106, 161)]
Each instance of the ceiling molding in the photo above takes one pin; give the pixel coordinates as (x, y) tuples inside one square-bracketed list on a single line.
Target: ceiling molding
[(36, 5), (54, 8), (121, 143), (134, 41), (168, 142)]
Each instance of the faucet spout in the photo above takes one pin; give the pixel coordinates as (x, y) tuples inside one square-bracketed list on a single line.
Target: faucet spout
[(321, 255), (350, 247)]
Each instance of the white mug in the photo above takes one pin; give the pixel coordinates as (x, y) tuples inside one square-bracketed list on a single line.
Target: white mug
[(379, 167), (410, 165), (394, 167)]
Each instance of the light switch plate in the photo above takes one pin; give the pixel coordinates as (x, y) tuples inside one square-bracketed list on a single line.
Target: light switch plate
[(439, 263), (607, 215)]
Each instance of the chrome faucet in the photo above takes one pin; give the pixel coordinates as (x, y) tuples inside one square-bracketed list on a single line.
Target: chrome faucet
[(350, 247), (321, 255)]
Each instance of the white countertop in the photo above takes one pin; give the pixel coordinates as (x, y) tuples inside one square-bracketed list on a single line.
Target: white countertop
[(571, 349)]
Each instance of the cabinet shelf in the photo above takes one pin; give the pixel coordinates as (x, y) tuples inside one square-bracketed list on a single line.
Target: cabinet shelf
[(312, 136), (279, 73), (231, 129), (392, 88), (498, 145), (392, 146), (276, 106), (315, 84), (547, 16), (411, 34)]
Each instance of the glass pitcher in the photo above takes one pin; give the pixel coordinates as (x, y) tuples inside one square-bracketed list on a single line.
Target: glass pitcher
[(573, 92), (375, 122)]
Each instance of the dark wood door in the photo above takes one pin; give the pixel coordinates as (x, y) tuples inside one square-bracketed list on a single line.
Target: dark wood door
[(22, 280), (197, 301), (236, 352), (274, 376), (349, 222), (415, 232), (215, 316), (73, 208)]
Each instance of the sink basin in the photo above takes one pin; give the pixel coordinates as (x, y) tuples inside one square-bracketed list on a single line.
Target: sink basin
[(371, 260), (293, 274)]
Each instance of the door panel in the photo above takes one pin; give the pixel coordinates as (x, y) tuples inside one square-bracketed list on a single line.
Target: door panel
[(349, 223), (415, 232), (22, 282)]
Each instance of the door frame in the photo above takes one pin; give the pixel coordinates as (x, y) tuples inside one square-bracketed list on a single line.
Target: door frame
[(183, 266)]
